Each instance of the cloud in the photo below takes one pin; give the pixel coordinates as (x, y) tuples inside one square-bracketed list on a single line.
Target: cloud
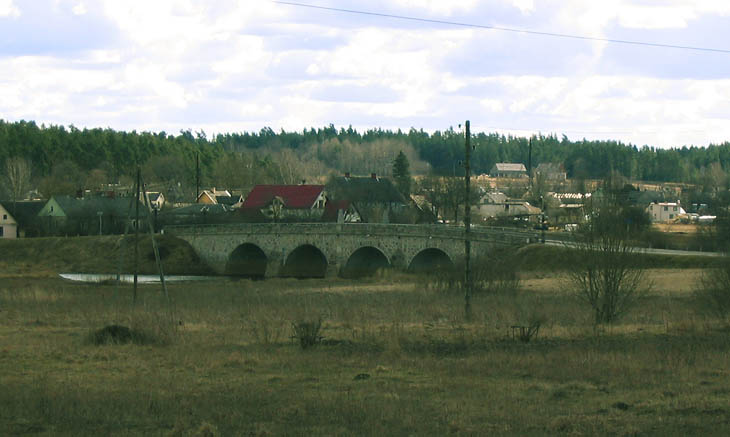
[(8, 9), (232, 66)]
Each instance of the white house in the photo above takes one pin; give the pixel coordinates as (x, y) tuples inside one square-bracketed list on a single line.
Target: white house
[(8, 225), (665, 211)]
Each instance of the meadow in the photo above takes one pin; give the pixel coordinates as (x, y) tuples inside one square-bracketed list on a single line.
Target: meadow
[(395, 357)]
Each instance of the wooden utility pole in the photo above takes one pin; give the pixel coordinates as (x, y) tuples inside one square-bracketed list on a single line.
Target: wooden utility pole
[(197, 175), (136, 235), (529, 161), (467, 224)]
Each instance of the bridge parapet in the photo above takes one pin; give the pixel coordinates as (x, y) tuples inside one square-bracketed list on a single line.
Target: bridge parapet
[(478, 233), (273, 246)]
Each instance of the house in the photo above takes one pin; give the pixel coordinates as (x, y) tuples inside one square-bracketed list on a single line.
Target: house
[(493, 197), (508, 170), (210, 196), (508, 208), (8, 225), (233, 201), (196, 214), (24, 212), (426, 211), (665, 211), (551, 171), (66, 215), (155, 200), (340, 211), (376, 199), (285, 202)]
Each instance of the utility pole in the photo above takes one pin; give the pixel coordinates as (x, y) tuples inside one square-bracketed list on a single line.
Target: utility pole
[(136, 235), (529, 161), (467, 224), (197, 175)]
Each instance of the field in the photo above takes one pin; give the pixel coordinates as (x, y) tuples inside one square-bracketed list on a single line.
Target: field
[(397, 357)]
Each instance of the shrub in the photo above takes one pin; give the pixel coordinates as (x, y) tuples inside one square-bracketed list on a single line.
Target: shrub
[(307, 332), (713, 293), (495, 272)]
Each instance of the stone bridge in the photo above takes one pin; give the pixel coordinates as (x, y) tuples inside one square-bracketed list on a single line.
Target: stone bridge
[(319, 249)]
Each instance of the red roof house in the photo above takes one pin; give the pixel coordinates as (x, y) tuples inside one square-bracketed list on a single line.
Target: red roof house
[(286, 201)]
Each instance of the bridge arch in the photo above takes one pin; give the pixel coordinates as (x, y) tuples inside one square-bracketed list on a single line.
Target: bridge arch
[(306, 261), (365, 261), (247, 260), (430, 260)]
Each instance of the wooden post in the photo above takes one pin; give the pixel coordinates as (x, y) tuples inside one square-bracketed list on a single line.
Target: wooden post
[(136, 236), (467, 225)]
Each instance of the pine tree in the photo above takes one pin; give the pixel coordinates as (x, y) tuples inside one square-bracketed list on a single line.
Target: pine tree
[(402, 174)]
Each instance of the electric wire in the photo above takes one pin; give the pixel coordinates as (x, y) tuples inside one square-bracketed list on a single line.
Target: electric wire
[(505, 29)]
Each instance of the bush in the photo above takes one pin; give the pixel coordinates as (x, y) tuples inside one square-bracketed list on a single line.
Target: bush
[(713, 293), (496, 272), (307, 332)]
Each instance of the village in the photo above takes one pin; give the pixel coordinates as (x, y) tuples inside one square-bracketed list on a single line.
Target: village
[(509, 195)]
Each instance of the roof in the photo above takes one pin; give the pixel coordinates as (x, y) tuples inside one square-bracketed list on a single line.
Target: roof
[(504, 166), (153, 195), (294, 196), (227, 200), (23, 211), (81, 208), (332, 207), (198, 209), (550, 167), (365, 189)]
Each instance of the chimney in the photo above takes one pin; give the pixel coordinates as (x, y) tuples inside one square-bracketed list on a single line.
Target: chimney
[(373, 176)]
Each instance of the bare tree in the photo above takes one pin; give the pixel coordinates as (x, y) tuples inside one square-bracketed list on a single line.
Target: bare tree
[(17, 177), (609, 278)]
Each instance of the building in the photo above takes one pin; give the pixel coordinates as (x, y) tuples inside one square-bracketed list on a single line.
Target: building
[(24, 212), (156, 200), (551, 171), (209, 196), (66, 215), (285, 202), (665, 211), (508, 170), (376, 199), (8, 225)]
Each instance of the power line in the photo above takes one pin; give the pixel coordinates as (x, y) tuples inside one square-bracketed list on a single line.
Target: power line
[(505, 29)]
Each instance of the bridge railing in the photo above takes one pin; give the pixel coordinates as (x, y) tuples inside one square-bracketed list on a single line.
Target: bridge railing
[(478, 233)]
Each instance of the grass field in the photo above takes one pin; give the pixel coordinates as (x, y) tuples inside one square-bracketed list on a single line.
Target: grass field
[(397, 358)]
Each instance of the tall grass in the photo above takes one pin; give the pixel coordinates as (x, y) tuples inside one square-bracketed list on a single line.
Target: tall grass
[(230, 366)]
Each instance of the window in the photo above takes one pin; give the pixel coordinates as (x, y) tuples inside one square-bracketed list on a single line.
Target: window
[(5, 216), (1, 231), (671, 216), (666, 208), (675, 208)]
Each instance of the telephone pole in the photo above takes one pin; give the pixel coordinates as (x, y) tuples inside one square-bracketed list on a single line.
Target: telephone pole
[(467, 224)]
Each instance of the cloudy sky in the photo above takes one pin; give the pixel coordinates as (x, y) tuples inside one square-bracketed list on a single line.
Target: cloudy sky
[(240, 65)]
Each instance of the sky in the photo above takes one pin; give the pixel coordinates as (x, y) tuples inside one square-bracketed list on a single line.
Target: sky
[(232, 66)]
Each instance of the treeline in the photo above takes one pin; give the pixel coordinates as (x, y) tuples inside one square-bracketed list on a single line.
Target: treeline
[(241, 159)]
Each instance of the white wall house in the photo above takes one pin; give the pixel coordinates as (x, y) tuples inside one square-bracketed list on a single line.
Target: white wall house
[(8, 225), (665, 211)]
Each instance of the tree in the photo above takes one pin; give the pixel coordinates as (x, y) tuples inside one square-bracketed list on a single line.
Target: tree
[(402, 174), (17, 177), (608, 277)]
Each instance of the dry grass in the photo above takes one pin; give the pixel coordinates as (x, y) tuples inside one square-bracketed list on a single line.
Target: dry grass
[(395, 360)]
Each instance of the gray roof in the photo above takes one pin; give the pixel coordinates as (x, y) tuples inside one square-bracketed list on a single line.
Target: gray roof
[(364, 189), (90, 206), (504, 166)]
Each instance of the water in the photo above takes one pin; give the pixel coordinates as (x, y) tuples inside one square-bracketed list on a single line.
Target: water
[(141, 279)]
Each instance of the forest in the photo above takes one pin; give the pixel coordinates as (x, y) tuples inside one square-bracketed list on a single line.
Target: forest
[(62, 159)]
